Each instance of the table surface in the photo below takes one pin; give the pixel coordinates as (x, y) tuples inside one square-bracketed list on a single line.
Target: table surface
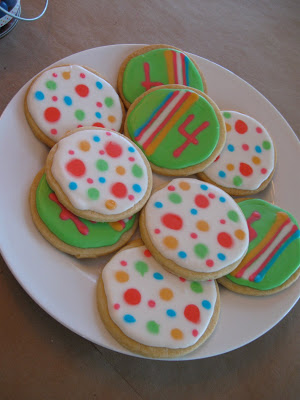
[(257, 40)]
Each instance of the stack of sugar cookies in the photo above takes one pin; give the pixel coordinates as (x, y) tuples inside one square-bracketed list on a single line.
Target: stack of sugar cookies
[(158, 296)]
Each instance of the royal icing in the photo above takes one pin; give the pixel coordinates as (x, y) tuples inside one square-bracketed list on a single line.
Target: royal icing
[(159, 67), (175, 128), (247, 158), (196, 225), (100, 170), (67, 97), (73, 230), (152, 306), (274, 248)]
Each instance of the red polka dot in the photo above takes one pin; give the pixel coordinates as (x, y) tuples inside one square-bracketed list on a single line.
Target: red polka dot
[(241, 127), (116, 306), (182, 279), (171, 188), (76, 167), (54, 98), (192, 313), (79, 126), (211, 196), (245, 147), (119, 190), (89, 180), (217, 159), (52, 114), (151, 303), (98, 124), (147, 253), (246, 169), (54, 131), (225, 240), (194, 235), (113, 149), (172, 221), (157, 231), (132, 297), (82, 90), (209, 263), (258, 130), (222, 221), (82, 75), (201, 201), (195, 332), (99, 104), (263, 170), (123, 263)]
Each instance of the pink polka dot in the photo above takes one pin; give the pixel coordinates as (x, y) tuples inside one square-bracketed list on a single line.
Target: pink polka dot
[(222, 221), (54, 74), (82, 75), (108, 134), (194, 235), (171, 188), (99, 104), (53, 131), (123, 263), (258, 130), (131, 197), (79, 126), (157, 231), (102, 152), (195, 332), (54, 98), (209, 263), (217, 159), (131, 158), (211, 196), (263, 170), (71, 152), (116, 306), (245, 147), (89, 180), (151, 303), (147, 253), (182, 279)]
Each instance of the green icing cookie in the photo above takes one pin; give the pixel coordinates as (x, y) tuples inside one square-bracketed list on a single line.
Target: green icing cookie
[(73, 230), (175, 128), (156, 67), (274, 249)]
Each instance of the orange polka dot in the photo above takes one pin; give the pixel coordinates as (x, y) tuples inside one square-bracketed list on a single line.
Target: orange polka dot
[(84, 145), (184, 186), (256, 160), (66, 75), (111, 118), (230, 167), (177, 334), (121, 276), (110, 204), (170, 242), (228, 127), (202, 226), (239, 234), (166, 294), (120, 170)]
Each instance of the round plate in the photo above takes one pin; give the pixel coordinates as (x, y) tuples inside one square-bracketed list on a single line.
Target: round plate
[(64, 286)]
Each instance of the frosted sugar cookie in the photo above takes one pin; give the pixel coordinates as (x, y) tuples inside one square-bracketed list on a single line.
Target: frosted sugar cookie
[(180, 130), (157, 65), (152, 312), (273, 258), (99, 175), (70, 96), (194, 229), (71, 234), (246, 163)]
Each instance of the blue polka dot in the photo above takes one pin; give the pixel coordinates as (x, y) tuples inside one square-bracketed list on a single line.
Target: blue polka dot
[(68, 100), (222, 174), (137, 188), (171, 313), (102, 180), (39, 95), (158, 204), (182, 254), (206, 304), (96, 139), (158, 276), (99, 85), (221, 256), (230, 147), (129, 318), (73, 185), (131, 149), (222, 199), (98, 115), (194, 211), (258, 149), (204, 187)]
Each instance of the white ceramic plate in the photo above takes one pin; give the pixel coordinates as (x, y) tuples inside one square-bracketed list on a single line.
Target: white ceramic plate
[(64, 286)]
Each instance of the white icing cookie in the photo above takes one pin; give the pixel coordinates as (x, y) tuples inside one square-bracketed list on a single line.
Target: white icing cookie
[(68, 97), (152, 306), (248, 156)]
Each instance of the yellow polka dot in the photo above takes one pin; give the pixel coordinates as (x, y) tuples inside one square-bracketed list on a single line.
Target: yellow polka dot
[(177, 334), (228, 127), (166, 294), (66, 75), (202, 226), (120, 170), (84, 145), (256, 160), (230, 167), (121, 276), (184, 186), (239, 234), (110, 204), (170, 242), (111, 118)]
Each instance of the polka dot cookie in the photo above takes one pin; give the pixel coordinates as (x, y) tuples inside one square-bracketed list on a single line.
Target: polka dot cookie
[(246, 163), (194, 229), (152, 312), (99, 175), (70, 96)]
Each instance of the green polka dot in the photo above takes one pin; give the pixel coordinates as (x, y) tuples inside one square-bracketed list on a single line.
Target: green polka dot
[(137, 171), (51, 85), (201, 250), (237, 181), (266, 145), (102, 165), (108, 101), (141, 267), (93, 193), (175, 198), (153, 327), (80, 115), (233, 216), (196, 287), (227, 115)]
